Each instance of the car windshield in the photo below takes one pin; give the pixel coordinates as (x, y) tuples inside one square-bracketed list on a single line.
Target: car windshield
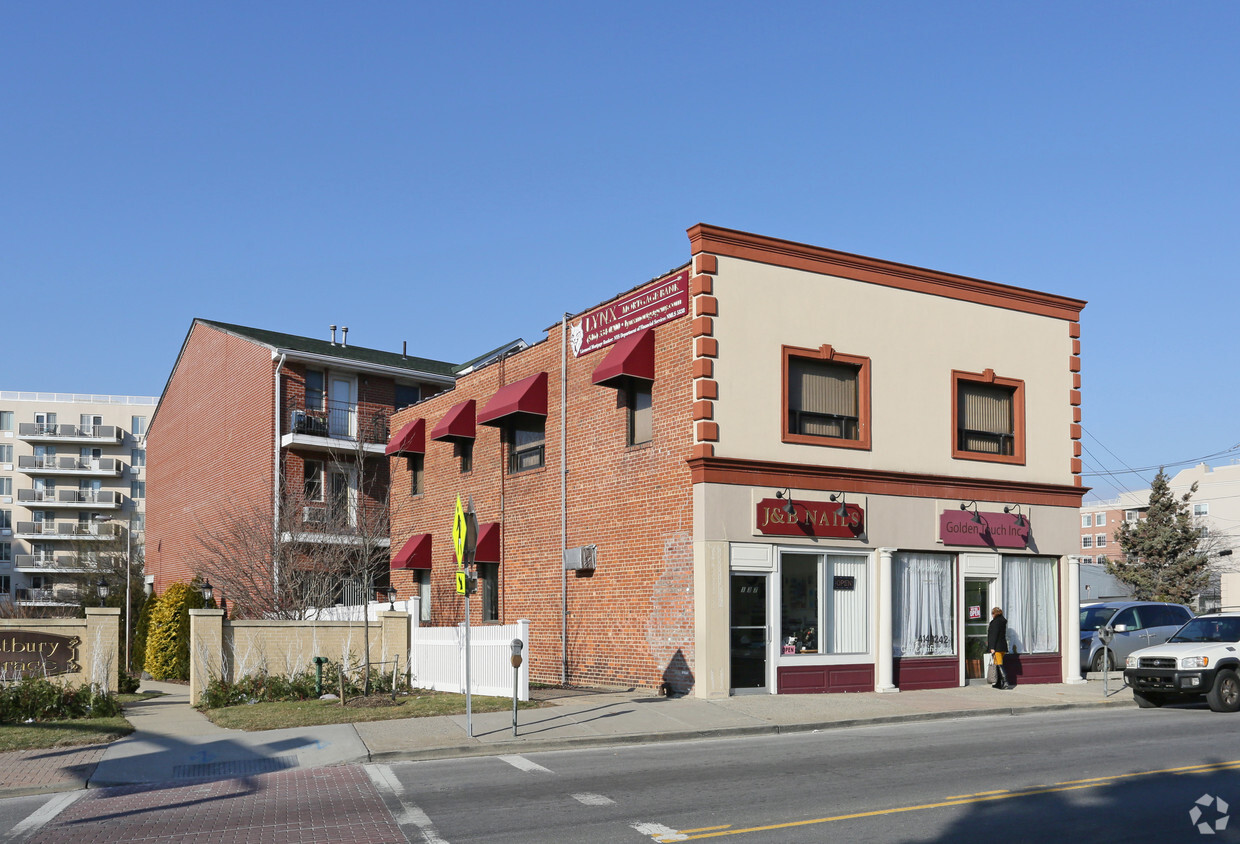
[(1207, 629), (1092, 618)]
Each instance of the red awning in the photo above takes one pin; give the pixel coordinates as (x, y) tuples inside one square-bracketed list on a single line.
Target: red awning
[(487, 550), (632, 357), (457, 423), (415, 553), (529, 395), (411, 439)]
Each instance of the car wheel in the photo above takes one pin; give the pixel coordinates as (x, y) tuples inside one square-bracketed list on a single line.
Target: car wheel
[(1096, 665), (1146, 700), (1225, 694)]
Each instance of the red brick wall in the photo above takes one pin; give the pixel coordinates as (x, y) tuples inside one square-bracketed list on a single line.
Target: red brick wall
[(209, 449), (631, 620)]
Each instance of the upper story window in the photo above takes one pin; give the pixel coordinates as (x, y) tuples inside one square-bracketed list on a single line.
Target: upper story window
[(417, 474), (1201, 509), (1100, 519), (826, 398), (137, 457), (137, 426), (639, 400), (312, 486), (463, 450), (1131, 516), (6, 454), (1087, 520), (407, 395), (137, 490), (314, 389), (526, 444), (988, 417), (6, 420), (1087, 541), (1100, 540)]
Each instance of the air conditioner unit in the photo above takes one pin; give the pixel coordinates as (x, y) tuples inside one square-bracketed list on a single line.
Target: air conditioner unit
[(581, 558), (133, 470), (313, 514)]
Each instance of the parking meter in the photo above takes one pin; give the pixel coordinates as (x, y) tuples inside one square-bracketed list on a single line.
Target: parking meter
[(516, 646)]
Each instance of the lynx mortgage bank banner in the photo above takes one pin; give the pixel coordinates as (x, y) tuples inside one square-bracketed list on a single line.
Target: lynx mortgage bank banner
[(654, 304)]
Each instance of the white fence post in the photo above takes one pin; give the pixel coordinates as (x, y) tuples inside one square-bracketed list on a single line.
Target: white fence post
[(437, 655)]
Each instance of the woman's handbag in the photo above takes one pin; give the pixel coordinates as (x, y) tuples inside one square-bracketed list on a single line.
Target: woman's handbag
[(992, 674)]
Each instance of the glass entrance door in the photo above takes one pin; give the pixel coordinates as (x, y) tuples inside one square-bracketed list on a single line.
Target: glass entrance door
[(749, 632), (976, 620)]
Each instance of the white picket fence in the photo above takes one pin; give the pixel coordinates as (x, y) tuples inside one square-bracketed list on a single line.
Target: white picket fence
[(437, 658)]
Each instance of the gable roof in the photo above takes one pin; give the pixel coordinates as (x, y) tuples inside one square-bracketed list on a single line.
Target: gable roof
[(324, 348)]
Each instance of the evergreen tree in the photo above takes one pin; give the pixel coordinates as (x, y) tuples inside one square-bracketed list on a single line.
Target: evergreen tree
[(1160, 557)]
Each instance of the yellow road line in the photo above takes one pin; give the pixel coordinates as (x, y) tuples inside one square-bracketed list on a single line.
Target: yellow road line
[(983, 797), (704, 829)]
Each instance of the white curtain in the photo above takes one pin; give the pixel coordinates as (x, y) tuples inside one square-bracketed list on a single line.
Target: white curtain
[(1029, 603), (848, 606), (922, 618)]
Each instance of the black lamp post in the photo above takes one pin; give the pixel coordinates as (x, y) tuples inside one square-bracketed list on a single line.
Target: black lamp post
[(207, 590), (101, 588)]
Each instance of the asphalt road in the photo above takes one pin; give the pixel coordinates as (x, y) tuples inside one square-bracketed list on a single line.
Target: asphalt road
[(1119, 776), (1125, 777)]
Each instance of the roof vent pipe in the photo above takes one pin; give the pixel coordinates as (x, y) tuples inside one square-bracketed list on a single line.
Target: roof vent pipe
[(333, 328), (404, 348), (344, 336)]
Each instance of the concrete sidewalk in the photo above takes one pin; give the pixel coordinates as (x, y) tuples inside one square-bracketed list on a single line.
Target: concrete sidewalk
[(174, 742)]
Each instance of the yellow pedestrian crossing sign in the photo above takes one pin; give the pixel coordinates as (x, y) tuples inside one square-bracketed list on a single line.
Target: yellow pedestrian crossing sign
[(460, 583), (458, 534)]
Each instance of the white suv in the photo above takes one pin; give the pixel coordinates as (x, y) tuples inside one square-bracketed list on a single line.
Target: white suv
[(1202, 658)]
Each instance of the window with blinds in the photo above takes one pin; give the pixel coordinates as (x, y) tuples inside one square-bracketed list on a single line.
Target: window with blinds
[(822, 399), (988, 417), (985, 419)]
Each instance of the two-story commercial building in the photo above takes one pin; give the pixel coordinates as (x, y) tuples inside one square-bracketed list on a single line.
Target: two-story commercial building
[(782, 468)]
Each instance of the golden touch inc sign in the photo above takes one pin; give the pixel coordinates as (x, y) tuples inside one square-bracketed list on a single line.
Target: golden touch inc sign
[(26, 653)]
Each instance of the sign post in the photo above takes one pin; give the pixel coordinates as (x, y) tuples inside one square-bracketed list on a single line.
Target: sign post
[(465, 543)]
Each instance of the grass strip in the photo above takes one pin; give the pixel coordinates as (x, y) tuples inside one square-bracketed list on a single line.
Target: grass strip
[(311, 713)]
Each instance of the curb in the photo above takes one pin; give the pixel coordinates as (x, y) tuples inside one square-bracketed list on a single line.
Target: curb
[(505, 747)]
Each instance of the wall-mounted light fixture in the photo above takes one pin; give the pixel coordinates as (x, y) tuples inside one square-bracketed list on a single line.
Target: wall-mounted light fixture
[(787, 508), (1020, 517), (841, 512), (976, 518)]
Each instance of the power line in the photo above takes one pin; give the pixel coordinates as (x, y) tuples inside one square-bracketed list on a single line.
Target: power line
[(1130, 470)]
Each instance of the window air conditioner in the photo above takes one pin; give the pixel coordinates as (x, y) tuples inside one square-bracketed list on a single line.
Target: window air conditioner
[(313, 514), (581, 558)]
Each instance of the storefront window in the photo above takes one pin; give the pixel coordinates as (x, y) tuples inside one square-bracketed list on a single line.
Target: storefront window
[(1029, 602), (922, 587), (834, 623)]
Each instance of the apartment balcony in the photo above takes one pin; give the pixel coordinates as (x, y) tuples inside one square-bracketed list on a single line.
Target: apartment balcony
[(89, 532), (55, 597), (95, 499), (43, 432), (82, 467), (325, 524), (336, 426), (52, 563)]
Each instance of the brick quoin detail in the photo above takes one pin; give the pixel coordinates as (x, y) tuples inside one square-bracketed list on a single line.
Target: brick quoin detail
[(703, 410), (1074, 431), (1074, 329), (700, 284), (1074, 398), (700, 451), (706, 264), (1076, 465), (706, 347), (1076, 449), (1076, 347), (703, 368), (704, 389), (1076, 414), (708, 431), (1076, 381), (706, 306), (703, 327), (1074, 364)]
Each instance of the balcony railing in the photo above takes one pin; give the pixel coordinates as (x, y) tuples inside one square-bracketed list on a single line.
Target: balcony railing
[(69, 497), (339, 420), (60, 562), (69, 530), (49, 596), (40, 464), (52, 431)]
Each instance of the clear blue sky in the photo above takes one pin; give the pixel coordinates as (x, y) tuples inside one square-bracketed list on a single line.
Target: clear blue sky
[(458, 175)]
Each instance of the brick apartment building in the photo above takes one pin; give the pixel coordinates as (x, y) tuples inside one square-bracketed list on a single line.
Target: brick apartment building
[(263, 440), (801, 470)]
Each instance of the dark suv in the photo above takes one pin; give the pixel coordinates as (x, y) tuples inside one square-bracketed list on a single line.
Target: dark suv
[(1136, 624)]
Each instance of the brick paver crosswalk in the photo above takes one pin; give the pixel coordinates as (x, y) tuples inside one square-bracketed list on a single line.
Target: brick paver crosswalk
[(337, 804)]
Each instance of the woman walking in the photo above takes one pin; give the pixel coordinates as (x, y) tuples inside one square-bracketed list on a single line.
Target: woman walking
[(996, 641)]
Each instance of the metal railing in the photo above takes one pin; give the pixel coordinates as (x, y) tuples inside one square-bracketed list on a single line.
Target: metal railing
[(339, 420), (77, 432), (49, 596)]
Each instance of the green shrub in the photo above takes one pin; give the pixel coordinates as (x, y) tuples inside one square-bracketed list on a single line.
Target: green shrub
[(140, 631), (39, 699), (127, 683), (167, 635), (264, 688)]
